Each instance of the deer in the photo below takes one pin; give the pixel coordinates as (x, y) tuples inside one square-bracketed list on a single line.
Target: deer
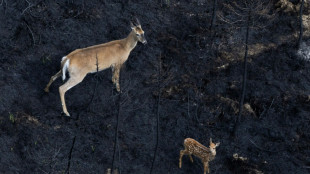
[(193, 147), (81, 62)]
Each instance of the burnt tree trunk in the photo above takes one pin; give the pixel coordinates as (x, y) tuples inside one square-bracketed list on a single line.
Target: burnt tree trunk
[(300, 24), (116, 143), (158, 112), (213, 16), (237, 120), (211, 29)]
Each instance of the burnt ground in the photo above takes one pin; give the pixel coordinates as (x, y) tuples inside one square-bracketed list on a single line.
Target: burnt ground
[(194, 71)]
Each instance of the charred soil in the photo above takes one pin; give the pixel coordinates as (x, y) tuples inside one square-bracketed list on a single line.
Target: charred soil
[(189, 74)]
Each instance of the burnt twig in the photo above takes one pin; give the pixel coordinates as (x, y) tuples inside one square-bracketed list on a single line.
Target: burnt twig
[(70, 156), (262, 149), (263, 113), (28, 7), (34, 41), (270, 106)]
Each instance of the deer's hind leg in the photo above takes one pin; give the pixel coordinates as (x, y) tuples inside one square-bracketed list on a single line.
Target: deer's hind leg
[(53, 78), (73, 80), (184, 152), (190, 157)]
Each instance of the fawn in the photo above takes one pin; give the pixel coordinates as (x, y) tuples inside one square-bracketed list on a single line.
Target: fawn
[(206, 155)]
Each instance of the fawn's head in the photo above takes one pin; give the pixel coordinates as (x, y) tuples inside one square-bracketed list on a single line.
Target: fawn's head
[(213, 146), (136, 27)]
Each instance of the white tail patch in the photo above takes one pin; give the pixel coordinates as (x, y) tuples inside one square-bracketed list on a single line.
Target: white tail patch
[(63, 58), (65, 67)]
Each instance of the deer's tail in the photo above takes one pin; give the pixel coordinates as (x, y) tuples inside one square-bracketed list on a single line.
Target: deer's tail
[(64, 64)]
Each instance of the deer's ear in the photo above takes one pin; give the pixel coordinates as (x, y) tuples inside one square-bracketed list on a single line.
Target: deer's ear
[(137, 21), (132, 25), (210, 140), (217, 144)]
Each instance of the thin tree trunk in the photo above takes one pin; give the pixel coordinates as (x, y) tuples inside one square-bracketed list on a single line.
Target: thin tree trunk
[(213, 18), (244, 71), (300, 24), (116, 145), (213, 14), (158, 112)]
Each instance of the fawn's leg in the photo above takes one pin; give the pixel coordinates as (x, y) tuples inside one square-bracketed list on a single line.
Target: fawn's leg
[(53, 78), (206, 167), (74, 80), (182, 152), (190, 157)]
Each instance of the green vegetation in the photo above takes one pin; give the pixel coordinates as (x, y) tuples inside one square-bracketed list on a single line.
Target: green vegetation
[(11, 117)]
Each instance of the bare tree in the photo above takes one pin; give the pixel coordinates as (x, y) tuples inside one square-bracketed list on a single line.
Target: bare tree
[(158, 111), (248, 14)]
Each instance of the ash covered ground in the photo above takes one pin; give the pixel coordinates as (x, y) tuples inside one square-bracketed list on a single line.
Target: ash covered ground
[(189, 74)]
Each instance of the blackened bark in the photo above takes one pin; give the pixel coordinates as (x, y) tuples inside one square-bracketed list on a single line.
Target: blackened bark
[(300, 24), (237, 121), (158, 109)]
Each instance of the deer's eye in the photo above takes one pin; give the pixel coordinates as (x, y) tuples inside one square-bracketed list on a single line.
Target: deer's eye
[(138, 35)]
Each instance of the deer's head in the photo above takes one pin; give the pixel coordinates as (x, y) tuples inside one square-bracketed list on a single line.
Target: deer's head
[(213, 146), (136, 27)]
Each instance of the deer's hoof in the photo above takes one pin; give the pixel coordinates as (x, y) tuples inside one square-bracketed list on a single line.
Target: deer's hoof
[(46, 90), (118, 89), (65, 114)]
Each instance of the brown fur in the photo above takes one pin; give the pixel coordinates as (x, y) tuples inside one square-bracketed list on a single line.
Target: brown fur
[(109, 171), (83, 61), (193, 147)]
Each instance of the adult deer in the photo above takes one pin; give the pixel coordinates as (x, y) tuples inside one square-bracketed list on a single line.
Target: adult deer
[(97, 58)]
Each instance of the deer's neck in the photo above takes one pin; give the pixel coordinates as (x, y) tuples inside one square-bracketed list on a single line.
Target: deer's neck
[(210, 155), (131, 41), (213, 152)]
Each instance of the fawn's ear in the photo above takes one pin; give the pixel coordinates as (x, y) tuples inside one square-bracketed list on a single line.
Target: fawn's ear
[(210, 140), (217, 144)]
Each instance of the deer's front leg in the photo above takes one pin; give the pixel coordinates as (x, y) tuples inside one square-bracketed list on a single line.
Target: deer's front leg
[(206, 167), (115, 76)]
